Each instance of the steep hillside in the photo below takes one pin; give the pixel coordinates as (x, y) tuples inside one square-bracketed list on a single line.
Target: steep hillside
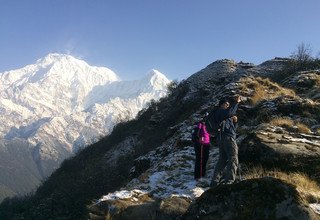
[(145, 166)]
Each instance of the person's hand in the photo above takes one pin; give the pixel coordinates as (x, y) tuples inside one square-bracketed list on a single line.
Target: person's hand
[(234, 119), (238, 99)]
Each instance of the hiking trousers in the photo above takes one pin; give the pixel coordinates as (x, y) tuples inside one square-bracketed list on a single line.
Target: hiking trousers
[(228, 162), (202, 155)]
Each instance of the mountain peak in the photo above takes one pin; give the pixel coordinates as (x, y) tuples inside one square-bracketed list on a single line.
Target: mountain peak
[(56, 56), (154, 72), (157, 79), (74, 78), (69, 68), (53, 58)]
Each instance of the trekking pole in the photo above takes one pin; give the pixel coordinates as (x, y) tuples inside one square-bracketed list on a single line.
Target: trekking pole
[(201, 151), (239, 171)]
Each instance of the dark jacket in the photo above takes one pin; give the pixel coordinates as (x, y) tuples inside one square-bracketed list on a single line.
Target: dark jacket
[(224, 116)]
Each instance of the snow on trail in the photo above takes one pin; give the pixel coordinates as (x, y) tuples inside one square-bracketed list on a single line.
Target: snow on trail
[(172, 177)]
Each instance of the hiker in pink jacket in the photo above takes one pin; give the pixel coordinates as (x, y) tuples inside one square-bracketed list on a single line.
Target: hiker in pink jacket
[(201, 147)]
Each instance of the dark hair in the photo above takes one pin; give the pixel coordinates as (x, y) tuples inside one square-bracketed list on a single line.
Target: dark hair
[(222, 101), (204, 117)]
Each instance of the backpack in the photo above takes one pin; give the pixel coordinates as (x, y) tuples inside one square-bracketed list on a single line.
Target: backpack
[(195, 134), (214, 126), (198, 133)]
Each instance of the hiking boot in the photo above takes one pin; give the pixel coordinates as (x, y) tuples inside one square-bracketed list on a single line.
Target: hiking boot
[(213, 184), (202, 183), (229, 182)]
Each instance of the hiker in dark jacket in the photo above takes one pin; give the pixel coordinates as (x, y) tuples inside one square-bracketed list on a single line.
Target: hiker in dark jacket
[(228, 149), (201, 148)]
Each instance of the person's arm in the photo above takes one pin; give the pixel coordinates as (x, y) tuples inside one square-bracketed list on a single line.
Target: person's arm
[(233, 110), (228, 113), (199, 130)]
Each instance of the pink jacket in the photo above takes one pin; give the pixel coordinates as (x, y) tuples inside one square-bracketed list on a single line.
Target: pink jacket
[(203, 134)]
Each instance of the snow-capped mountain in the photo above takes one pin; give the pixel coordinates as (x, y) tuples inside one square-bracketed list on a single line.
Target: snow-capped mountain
[(61, 104)]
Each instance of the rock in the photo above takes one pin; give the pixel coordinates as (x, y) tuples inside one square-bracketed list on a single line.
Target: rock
[(171, 208), (246, 65), (306, 83), (265, 198), (275, 147), (140, 206), (277, 63)]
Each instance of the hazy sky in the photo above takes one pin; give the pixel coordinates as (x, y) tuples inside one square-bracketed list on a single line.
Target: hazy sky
[(177, 37)]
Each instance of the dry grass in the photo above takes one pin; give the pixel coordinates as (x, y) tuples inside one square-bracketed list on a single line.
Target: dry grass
[(314, 78), (290, 124), (262, 89), (302, 128), (259, 94), (282, 122), (308, 189), (317, 80)]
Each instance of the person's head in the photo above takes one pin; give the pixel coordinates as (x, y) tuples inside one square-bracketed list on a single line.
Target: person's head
[(205, 116), (224, 103)]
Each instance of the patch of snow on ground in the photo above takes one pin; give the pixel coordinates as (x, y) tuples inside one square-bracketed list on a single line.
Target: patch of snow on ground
[(174, 176), (303, 140), (315, 207), (197, 191), (123, 194), (172, 171)]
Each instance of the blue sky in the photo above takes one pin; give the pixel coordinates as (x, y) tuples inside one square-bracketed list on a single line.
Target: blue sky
[(177, 37)]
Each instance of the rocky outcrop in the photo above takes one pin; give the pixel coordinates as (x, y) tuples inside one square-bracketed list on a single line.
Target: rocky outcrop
[(275, 147), (280, 143), (265, 198), (138, 205), (276, 63), (306, 83), (281, 132)]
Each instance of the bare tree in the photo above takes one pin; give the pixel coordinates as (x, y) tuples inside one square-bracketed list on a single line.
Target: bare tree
[(303, 53)]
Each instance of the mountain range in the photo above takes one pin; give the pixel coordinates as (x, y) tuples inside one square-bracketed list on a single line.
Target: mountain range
[(52, 109)]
